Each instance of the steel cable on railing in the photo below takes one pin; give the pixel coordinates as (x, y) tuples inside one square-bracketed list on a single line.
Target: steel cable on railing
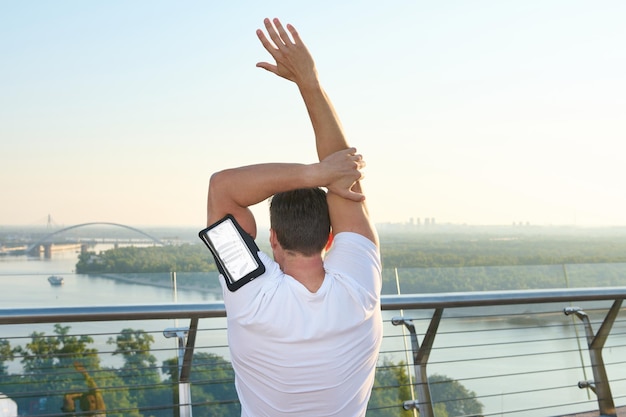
[(493, 344), (111, 411), (107, 352), (542, 408), (478, 398), (490, 329), (137, 387), (528, 391), (388, 351), (440, 382), (513, 374), (520, 355), (513, 342)]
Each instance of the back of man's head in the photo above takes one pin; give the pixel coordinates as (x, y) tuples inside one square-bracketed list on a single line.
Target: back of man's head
[(300, 220)]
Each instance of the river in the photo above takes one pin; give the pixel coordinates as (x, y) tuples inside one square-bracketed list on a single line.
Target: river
[(459, 351)]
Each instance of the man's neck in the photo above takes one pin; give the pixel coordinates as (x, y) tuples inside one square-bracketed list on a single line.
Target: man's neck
[(307, 270)]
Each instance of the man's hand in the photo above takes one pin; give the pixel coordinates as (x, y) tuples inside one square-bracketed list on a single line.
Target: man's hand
[(343, 169), (293, 60)]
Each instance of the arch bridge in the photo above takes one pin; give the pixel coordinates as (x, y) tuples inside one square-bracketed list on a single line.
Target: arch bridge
[(45, 241)]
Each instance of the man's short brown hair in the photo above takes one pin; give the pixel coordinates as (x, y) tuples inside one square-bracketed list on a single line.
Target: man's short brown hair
[(300, 220)]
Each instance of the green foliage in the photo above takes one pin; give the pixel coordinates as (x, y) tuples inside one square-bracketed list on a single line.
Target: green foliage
[(140, 370), (457, 400), (46, 353), (134, 346), (462, 263), (402, 250), (212, 385), (182, 258), (118, 396), (391, 389), (65, 363), (415, 250), (6, 354), (49, 370)]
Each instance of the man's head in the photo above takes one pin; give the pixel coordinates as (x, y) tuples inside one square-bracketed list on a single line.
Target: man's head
[(300, 220)]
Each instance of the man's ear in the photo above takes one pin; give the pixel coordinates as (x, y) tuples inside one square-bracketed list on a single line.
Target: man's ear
[(273, 239), (329, 243)]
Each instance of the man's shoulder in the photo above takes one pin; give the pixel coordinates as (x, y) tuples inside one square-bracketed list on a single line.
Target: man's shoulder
[(355, 241), (353, 256), (353, 237)]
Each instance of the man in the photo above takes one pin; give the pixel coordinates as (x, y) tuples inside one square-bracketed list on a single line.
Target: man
[(304, 336)]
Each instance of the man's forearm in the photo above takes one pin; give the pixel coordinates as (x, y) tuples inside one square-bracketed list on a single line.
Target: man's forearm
[(249, 185), (232, 191), (329, 136)]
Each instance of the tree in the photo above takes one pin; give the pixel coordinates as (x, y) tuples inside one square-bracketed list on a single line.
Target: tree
[(6, 354), (458, 400), (48, 363), (46, 353), (140, 370), (212, 384), (391, 390)]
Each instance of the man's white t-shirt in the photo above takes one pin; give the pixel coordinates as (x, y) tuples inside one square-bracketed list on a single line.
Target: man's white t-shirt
[(297, 353)]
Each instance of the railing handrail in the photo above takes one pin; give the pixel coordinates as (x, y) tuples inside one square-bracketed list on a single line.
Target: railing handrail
[(494, 298), (388, 302), (111, 313)]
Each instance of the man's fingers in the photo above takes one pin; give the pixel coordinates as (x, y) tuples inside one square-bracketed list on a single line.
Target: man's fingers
[(351, 195), (265, 42), (356, 157), (271, 31), (294, 34), (359, 160), (286, 40), (267, 66)]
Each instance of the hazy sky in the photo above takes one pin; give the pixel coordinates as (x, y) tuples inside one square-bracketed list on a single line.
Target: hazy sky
[(477, 112)]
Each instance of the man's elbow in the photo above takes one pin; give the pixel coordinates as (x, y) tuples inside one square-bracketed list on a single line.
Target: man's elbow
[(219, 184), (216, 196)]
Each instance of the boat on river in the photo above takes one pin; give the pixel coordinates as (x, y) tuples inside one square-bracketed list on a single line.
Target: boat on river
[(55, 280)]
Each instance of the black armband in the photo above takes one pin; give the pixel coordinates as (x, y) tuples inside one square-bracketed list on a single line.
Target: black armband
[(235, 252)]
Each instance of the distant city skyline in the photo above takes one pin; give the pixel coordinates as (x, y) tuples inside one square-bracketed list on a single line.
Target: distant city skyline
[(479, 113)]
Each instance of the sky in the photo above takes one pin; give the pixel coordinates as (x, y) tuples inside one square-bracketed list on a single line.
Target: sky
[(481, 112)]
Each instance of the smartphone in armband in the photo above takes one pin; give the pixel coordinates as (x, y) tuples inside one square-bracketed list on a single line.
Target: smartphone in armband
[(235, 252)]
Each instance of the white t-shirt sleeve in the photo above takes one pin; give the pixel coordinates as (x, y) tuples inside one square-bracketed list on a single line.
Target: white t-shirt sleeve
[(355, 256), (252, 293)]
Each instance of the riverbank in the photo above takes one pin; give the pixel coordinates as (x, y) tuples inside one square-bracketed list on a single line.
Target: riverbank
[(137, 280)]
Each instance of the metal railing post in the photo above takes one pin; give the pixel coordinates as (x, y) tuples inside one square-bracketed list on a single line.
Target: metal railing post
[(420, 360), (600, 385), (185, 356), (406, 348)]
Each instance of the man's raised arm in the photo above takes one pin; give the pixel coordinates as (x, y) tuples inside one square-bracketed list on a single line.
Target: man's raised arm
[(294, 63)]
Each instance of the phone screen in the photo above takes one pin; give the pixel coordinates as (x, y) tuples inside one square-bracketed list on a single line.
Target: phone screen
[(232, 250), (235, 252)]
